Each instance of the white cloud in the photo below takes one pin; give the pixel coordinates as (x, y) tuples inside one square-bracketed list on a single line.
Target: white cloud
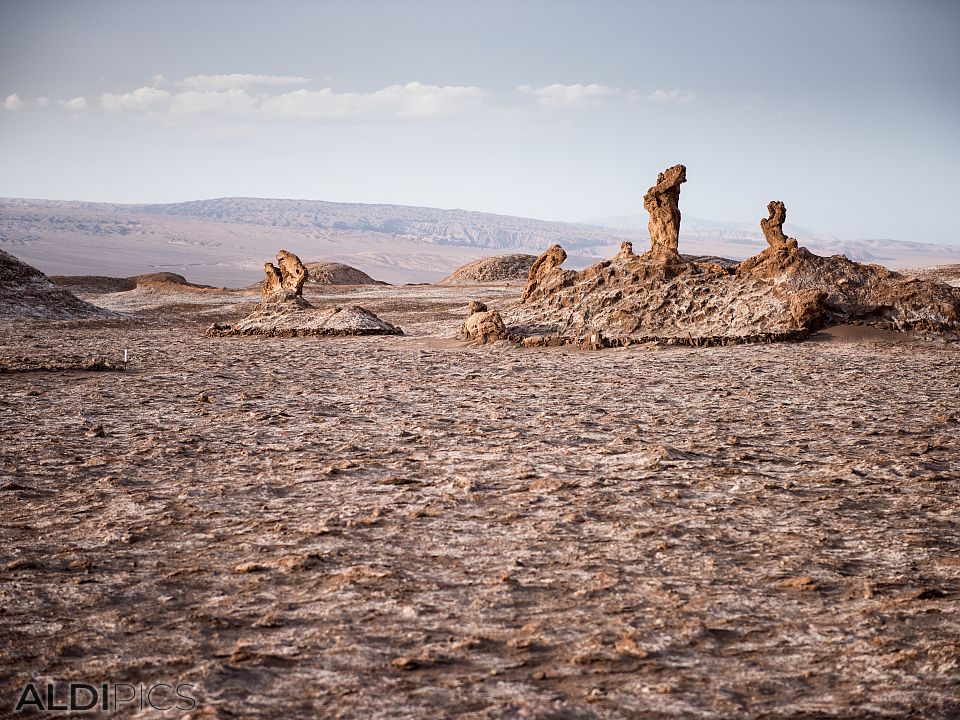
[(42, 101), (140, 100), (411, 100), (557, 95), (235, 81), (225, 102), (76, 104), (671, 96), (13, 102)]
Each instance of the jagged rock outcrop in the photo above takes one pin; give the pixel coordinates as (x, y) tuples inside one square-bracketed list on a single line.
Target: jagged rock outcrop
[(784, 292), (288, 278), (502, 268), (545, 274), (25, 292), (283, 312), (662, 201)]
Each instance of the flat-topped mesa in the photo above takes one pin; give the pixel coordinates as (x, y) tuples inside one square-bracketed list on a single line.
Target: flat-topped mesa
[(662, 201), (288, 279), (772, 226)]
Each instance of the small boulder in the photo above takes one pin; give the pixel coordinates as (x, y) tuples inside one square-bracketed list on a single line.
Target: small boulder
[(484, 327)]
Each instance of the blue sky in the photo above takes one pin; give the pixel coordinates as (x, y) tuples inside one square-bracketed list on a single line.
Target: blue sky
[(847, 111)]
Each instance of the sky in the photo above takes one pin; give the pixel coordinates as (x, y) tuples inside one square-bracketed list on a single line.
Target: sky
[(848, 111)]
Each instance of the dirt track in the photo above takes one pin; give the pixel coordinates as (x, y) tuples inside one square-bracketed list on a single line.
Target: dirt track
[(407, 527)]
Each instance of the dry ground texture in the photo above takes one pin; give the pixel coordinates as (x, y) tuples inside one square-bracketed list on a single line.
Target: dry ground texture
[(407, 527)]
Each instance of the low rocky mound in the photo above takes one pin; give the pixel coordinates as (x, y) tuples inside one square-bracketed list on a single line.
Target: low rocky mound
[(93, 284), (283, 312), (25, 292), (165, 279), (501, 268), (785, 292), (99, 284), (331, 273)]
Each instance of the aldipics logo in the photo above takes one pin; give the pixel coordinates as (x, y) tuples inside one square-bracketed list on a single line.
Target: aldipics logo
[(74, 696)]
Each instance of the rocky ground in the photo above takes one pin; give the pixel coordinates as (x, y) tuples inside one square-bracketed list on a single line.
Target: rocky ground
[(394, 527)]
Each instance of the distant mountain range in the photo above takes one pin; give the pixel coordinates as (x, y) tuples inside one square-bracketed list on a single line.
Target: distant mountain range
[(226, 241)]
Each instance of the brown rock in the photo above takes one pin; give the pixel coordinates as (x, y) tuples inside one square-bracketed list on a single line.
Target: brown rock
[(772, 225), (484, 327), (293, 271), (475, 306), (626, 250), (288, 278), (662, 201), (807, 309), (274, 282), (545, 266)]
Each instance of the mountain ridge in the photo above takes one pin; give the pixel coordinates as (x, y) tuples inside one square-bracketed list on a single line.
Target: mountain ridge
[(224, 241)]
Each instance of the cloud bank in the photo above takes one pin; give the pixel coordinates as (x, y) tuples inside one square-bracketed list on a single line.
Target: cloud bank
[(247, 97), (570, 96)]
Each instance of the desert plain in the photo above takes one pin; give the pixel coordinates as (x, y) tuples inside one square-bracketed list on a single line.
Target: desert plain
[(415, 526)]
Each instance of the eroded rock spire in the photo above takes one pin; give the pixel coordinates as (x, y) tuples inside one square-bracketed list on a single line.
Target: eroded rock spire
[(662, 201), (288, 278), (772, 225)]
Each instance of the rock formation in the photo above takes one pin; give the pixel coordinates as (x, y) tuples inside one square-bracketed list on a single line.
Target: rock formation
[(662, 201), (25, 292), (501, 268), (482, 325), (784, 292), (288, 278), (546, 267), (772, 225), (291, 319), (283, 311)]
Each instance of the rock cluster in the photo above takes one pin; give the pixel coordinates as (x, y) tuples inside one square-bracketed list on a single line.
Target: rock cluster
[(283, 311), (785, 292)]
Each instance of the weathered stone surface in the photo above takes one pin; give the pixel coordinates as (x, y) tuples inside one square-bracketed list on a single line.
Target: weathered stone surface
[(485, 327), (772, 225), (293, 271), (274, 282), (785, 292), (475, 306), (545, 273), (294, 317), (626, 250), (662, 201), (288, 278)]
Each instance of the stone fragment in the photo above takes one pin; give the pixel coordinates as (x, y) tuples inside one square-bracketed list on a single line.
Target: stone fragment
[(476, 306)]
